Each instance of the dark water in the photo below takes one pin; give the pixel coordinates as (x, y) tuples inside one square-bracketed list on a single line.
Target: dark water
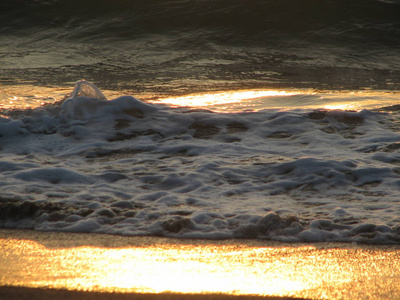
[(177, 47)]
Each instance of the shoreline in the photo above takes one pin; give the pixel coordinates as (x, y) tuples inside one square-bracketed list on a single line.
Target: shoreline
[(36, 265), (60, 239)]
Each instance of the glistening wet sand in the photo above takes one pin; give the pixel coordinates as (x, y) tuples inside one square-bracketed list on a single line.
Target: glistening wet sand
[(88, 266)]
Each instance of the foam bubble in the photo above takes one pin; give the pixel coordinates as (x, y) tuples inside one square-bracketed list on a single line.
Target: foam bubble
[(122, 166)]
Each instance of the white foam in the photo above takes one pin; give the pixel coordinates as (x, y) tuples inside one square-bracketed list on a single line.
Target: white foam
[(121, 166)]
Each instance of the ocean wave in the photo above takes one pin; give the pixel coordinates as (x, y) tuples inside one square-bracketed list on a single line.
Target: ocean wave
[(122, 166)]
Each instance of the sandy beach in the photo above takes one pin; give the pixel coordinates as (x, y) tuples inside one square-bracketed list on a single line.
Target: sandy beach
[(46, 265)]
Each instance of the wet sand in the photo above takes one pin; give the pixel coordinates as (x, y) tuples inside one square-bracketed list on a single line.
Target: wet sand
[(23, 293), (46, 265)]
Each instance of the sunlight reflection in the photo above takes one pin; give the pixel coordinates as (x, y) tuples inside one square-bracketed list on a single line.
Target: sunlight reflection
[(346, 106), (239, 269), (184, 269), (221, 98), (256, 100), (25, 95)]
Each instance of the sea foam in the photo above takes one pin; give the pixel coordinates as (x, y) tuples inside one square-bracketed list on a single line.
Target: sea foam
[(123, 166)]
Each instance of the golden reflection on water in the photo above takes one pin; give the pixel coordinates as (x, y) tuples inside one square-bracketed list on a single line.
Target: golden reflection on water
[(255, 100), (224, 99), (23, 95), (240, 268), (346, 106), (156, 268)]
